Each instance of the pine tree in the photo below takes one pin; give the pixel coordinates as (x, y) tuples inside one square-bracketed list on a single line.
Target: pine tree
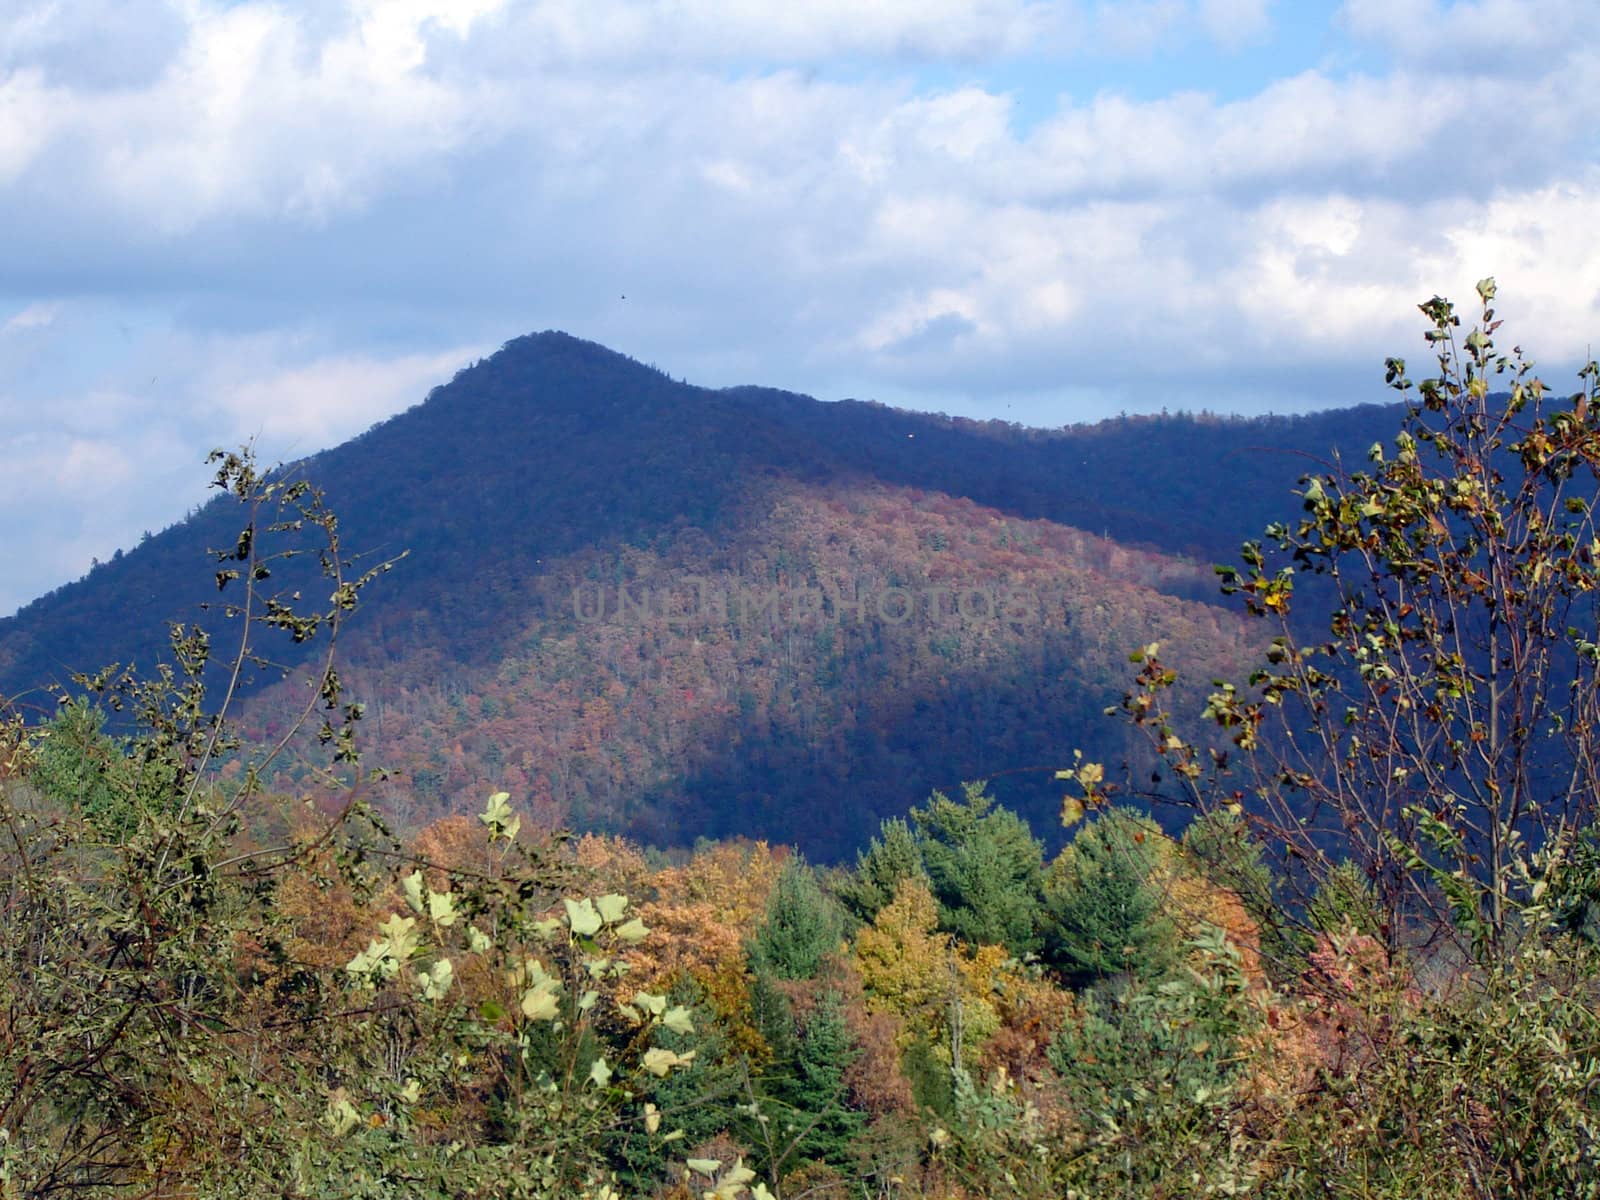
[(81, 766), (772, 1016), (818, 1091), (888, 860), (803, 926), (985, 867), (1103, 918)]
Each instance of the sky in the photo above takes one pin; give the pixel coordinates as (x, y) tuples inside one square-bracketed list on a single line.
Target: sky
[(233, 219)]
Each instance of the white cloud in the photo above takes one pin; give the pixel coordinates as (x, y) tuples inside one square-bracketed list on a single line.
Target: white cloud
[(1473, 36), (34, 316), (84, 496), (28, 120), (253, 115), (1136, 26), (297, 407), (297, 218), (627, 32)]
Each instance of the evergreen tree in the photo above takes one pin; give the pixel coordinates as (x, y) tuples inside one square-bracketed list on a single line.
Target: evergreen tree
[(1102, 916), (802, 1111), (888, 860), (772, 1016), (986, 869), (700, 1099), (803, 925), (818, 1091), (80, 765)]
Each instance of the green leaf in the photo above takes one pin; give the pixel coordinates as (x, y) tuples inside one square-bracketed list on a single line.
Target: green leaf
[(341, 1116), (652, 1004), (374, 960), (547, 928)]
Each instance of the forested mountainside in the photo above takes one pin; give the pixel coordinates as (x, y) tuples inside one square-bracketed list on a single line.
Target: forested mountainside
[(557, 465), (843, 654)]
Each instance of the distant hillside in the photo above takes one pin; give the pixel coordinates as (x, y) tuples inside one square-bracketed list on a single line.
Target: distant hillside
[(557, 466)]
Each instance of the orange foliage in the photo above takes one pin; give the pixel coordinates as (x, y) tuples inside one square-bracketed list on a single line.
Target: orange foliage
[(326, 922), (614, 864), (701, 917), (457, 843), (1351, 999), (1031, 1011), (1194, 902)]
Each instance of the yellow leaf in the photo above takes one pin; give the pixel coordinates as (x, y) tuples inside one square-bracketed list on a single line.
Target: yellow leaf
[(539, 1002), (412, 886), (583, 917), (611, 907)]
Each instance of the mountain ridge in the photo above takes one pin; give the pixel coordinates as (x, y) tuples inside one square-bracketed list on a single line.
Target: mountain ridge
[(557, 462)]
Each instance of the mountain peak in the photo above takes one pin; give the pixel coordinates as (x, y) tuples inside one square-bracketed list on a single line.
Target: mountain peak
[(555, 347)]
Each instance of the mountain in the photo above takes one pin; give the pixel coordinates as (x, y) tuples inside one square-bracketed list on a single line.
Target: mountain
[(674, 611)]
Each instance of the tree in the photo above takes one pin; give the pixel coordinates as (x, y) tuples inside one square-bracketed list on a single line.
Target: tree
[(800, 1103), (827, 1049), (79, 765), (985, 867), (944, 998), (1102, 917), (803, 926), (888, 860), (1220, 846), (117, 1001), (1440, 729), (1344, 901), (1150, 1076)]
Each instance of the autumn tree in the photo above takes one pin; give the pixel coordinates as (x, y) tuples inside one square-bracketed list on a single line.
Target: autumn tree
[(1439, 728)]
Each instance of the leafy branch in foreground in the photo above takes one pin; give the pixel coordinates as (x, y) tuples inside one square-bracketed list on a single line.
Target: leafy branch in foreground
[(124, 870), (1440, 730)]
